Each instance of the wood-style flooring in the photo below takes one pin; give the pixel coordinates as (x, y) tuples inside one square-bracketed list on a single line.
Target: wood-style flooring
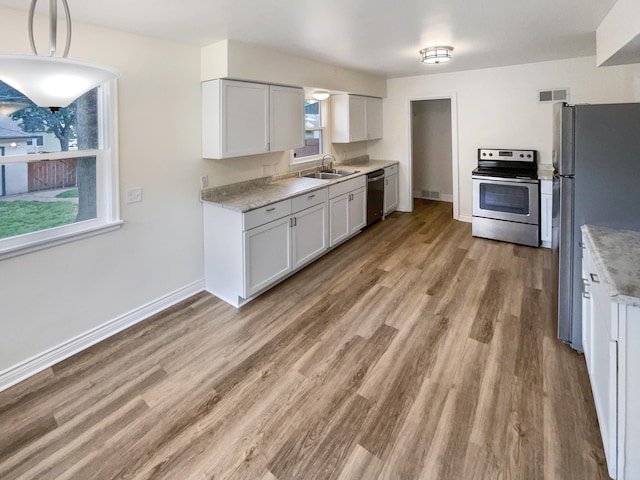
[(413, 351)]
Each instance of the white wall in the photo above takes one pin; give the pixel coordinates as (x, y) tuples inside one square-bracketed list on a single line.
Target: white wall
[(53, 295), (431, 147), (244, 61), (497, 107)]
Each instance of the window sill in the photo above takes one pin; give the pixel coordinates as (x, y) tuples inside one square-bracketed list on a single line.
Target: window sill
[(34, 246)]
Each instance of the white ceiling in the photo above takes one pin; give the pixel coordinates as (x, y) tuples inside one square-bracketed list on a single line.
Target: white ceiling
[(379, 36)]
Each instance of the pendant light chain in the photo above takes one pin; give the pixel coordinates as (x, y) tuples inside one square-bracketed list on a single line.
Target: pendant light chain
[(53, 27)]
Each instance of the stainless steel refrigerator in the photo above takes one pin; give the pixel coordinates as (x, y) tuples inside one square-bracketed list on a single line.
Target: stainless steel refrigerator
[(596, 155)]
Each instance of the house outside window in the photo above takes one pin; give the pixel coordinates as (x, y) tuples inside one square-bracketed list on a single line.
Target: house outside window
[(316, 141), (58, 171)]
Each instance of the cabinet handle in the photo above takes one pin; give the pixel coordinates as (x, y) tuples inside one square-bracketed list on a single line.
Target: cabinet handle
[(271, 209), (291, 222), (581, 245), (311, 196), (594, 278), (585, 288), (295, 221)]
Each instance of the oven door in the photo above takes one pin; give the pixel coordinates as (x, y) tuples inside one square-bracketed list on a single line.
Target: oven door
[(513, 199)]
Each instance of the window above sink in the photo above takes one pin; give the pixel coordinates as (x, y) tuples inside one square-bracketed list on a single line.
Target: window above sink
[(316, 134)]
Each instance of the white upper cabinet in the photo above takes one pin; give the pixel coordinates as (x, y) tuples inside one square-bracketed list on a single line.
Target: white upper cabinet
[(373, 108), (355, 118), (243, 118), (287, 118)]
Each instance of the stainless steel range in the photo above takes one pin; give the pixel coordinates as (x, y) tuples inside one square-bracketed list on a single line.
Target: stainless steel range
[(506, 196)]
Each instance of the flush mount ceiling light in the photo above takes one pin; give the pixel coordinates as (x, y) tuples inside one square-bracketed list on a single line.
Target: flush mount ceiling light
[(52, 82), (320, 94), (433, 55)]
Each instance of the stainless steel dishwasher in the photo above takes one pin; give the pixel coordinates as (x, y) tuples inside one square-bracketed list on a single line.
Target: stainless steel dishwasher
[(375, 196)]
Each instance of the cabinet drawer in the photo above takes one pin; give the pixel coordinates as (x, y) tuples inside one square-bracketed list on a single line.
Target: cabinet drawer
[(546, 187), (392, 170), (347, 186), (309, 199), (266, 214)]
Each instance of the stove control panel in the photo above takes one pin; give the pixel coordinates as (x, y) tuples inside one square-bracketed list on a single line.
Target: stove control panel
[(505, 155)]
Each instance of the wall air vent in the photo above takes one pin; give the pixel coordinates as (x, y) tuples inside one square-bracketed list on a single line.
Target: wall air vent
[(556, 95)]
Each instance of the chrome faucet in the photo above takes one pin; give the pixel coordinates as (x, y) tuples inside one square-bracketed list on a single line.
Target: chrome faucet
[(330, 163)]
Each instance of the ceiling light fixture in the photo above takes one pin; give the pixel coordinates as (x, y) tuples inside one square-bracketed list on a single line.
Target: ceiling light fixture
[(52, 82), (320, 94), (433, 55)]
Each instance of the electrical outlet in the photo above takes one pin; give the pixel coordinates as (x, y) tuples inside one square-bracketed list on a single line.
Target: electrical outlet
[(134, 195), (204, 181)]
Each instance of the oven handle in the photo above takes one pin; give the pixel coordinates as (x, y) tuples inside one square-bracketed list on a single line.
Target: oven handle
[(505, 180)]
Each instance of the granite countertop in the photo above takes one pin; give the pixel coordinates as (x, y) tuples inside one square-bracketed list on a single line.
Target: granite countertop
[(616, 253), (246, 196)]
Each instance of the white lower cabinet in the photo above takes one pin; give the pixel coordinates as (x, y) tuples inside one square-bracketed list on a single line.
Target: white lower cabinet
[(309, 234), (267, 255), (611, 335), (347, 209), (546, 203), (245, 253), (390, 189)]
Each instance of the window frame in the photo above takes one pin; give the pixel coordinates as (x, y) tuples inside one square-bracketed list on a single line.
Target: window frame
[(326, 140), (107, 192)]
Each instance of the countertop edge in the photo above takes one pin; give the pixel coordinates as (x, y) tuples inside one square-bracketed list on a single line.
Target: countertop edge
[(363, 168)]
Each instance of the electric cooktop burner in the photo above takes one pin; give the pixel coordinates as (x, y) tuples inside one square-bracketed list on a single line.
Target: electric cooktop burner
[(506, 163)]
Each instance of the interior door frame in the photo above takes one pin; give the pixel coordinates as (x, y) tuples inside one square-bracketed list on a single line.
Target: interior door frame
[(454, 148)]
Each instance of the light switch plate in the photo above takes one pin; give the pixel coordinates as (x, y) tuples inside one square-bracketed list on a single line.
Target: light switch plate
[(134, 195)]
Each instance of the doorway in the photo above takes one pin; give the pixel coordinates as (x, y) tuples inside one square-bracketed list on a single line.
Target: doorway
[(434, 165)]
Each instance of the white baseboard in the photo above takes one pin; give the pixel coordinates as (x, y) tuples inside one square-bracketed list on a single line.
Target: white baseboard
[(465, 218), (44, 360)]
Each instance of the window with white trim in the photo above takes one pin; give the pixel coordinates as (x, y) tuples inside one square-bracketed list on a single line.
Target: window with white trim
[(58, 170), (316, 136)]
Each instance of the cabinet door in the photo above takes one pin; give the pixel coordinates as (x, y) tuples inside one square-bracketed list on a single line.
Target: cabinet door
[(338, 219), (546, 202), (357, 210), (286, 118), (587, 324), (357, 118), (267, 255), (604, 365), (390, 193), (374, 117), (309, 234), (244, 118)]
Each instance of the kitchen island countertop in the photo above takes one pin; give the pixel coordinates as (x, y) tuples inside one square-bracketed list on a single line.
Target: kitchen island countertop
[(252, 194), (617, 255)]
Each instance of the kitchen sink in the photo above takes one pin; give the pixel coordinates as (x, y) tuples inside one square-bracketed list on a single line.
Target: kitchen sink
[(323, 175), (331, 175)]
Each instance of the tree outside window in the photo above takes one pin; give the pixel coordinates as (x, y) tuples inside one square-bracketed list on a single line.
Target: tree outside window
[(36, 192)]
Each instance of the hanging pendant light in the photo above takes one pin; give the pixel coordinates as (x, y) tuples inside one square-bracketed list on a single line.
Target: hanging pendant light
[(52, 82), (433, 55)]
